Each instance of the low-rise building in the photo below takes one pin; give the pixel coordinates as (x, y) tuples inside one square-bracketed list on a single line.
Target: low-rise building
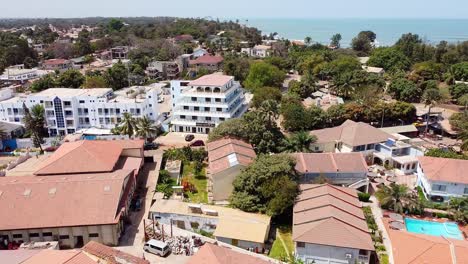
[(57, 65), (214, 254), (202, 104), (19, 75), (258, 51), (441, 179), (228, 225), (329, 226), (374, 70), (226, 159), (163, 70), (207, 62), (199, 52), (119, 53), (69, 110)]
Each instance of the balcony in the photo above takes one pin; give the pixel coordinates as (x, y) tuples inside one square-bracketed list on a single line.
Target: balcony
[(178, 112)]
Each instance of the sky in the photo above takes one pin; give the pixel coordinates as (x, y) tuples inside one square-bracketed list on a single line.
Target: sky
[(237, 8)]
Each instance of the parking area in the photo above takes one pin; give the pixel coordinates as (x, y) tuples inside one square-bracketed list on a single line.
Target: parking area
[(177, 140)]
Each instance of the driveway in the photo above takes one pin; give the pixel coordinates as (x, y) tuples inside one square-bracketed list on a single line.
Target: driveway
[(177, 140)]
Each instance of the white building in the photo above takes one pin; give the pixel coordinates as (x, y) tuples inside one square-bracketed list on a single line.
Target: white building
[(202, 104), (68, 110), (441, 179), (258, 51), (21, 75)]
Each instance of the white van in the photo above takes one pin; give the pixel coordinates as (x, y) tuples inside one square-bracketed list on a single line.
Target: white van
[(156, 247)]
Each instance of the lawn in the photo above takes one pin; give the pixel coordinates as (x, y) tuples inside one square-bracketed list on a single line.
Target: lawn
[(278, 251), (200, 183)]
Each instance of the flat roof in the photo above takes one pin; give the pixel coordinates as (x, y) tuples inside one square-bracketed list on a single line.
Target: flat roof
[(399, 129), (70, 92), (211, 80)]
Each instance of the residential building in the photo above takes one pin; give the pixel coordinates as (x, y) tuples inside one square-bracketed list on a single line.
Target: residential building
[(374, 70), (228, 225), (19, 75), (119, 53), (163, 70), (226, 159), (199, 52), (11, 130), (104, 254), (214, 254), (183, 38), (69, 110), (441, 179), (410, 131), (344, 169), (202, 104), (57, 65), (258, 51), (398, 154), (207, 62), (329, 226)]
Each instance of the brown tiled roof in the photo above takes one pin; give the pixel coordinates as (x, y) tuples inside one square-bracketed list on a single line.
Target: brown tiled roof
[(445, 170), (351, 133), (111, 255), (219, 152), (330, 162), (207, 59), (59, 257), (61, 201), (86, 156), (55, 61), (212, 254), (330, 215)]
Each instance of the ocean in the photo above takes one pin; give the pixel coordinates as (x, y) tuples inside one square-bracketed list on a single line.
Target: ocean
[(388, 30)]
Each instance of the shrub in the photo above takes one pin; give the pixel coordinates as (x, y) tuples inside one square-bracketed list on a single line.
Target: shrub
[(384, 259), (380, 248), (364, 197)]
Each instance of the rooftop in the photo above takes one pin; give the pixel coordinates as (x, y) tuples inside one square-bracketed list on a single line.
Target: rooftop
[(330, 162), (444, 170), (111, 255), (55, 201), (55, 61), (207, 59), (330, 215), (211, 80), (351, 133), (372, 69), (399, 129), (69, 92), (226, 153), (213, 254), (254, 227)]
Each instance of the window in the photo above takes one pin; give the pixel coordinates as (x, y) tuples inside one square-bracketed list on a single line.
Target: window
[(221, 119), (194, 225), (64, 237), (194, 118), (66, 103), (207, 99), (413, 166), (117, 110), (465, 191), (439, 187), (219, 109), (194, 99), (33, 234), (196, 108), (82, 102), (182, 117), (207, 109), (218, 100), (186, 107), (300, 244), (17, 236), (208, 118), (47, 234), (93, 235)]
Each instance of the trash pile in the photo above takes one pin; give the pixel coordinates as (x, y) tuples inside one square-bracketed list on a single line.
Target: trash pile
[(184, 245)]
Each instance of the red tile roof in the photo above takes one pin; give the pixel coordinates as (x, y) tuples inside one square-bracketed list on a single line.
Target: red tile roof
[(351, 133), (220, 152), (211, 80), (330, 162), (445, 170), (207, 59), (111, 255), (59, 257), (330, 215), (55, 62), (212, 254), (61, 201)]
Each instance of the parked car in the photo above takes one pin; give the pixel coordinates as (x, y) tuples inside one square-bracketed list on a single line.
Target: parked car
[(197, 143), (150, 146), (157, 247), (189, 137)]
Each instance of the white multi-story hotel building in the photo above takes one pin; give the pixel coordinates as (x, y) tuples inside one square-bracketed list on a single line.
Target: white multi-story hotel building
[(202, 104), (69, 110)]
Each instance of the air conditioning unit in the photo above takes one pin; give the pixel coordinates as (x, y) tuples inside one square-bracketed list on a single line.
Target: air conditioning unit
[(348, 256)]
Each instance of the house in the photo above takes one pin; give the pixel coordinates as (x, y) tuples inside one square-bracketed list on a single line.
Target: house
[(105, 254), (163, 70), (398, 154), (207, 62), (258, 51), (226, 159), (441, 179), (199, 52), (11, 130), (339, 168), (214, 254), (410, 131), (183, 38), (57, 65), (119, 53), (329, 226), (228, 225), (202, 104), (19, 75), (374, 70)]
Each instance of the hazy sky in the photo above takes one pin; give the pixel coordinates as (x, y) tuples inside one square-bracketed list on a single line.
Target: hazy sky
[(237, 8)]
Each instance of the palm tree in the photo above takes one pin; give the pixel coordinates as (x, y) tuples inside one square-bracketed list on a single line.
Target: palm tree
[(430, 98), (344, 84), (128, 125), (34, 122), (396, 197), (145, 128), (308, 40), (298, 142)]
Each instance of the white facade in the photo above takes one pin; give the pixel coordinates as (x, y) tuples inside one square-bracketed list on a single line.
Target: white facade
[(323, 254), (259, 51), (21, 75), (201, 107), (69, 110), (445, 190)]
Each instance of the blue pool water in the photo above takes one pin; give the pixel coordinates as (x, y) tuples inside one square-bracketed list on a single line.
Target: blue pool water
[(448, 229)]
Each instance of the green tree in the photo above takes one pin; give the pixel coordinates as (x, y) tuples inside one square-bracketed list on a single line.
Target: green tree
[(335, 40), (115, 25), (34, 123), (405, 90), (70, 79), (117, 76), (264, 94), (298, 142), (440, 153), (389, 58), (237, 67), (262, 74), (427, 70), (458, 207), (45, 82), (83, 45), (128, 125), (95, 82), (458, 90), (430, 98), (236, 128), (396, 197), (362, 43), (460, 71), (145, 128), (308, 41), (268, 185)]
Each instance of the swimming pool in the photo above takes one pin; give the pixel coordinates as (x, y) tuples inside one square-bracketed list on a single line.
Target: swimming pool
[(448, 229)]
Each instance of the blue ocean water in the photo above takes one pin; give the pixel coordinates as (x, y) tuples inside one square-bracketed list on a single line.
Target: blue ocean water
[(388, 30)]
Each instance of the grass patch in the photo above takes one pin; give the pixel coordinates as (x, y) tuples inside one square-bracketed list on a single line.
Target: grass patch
[(277, 250), (199, 181)]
